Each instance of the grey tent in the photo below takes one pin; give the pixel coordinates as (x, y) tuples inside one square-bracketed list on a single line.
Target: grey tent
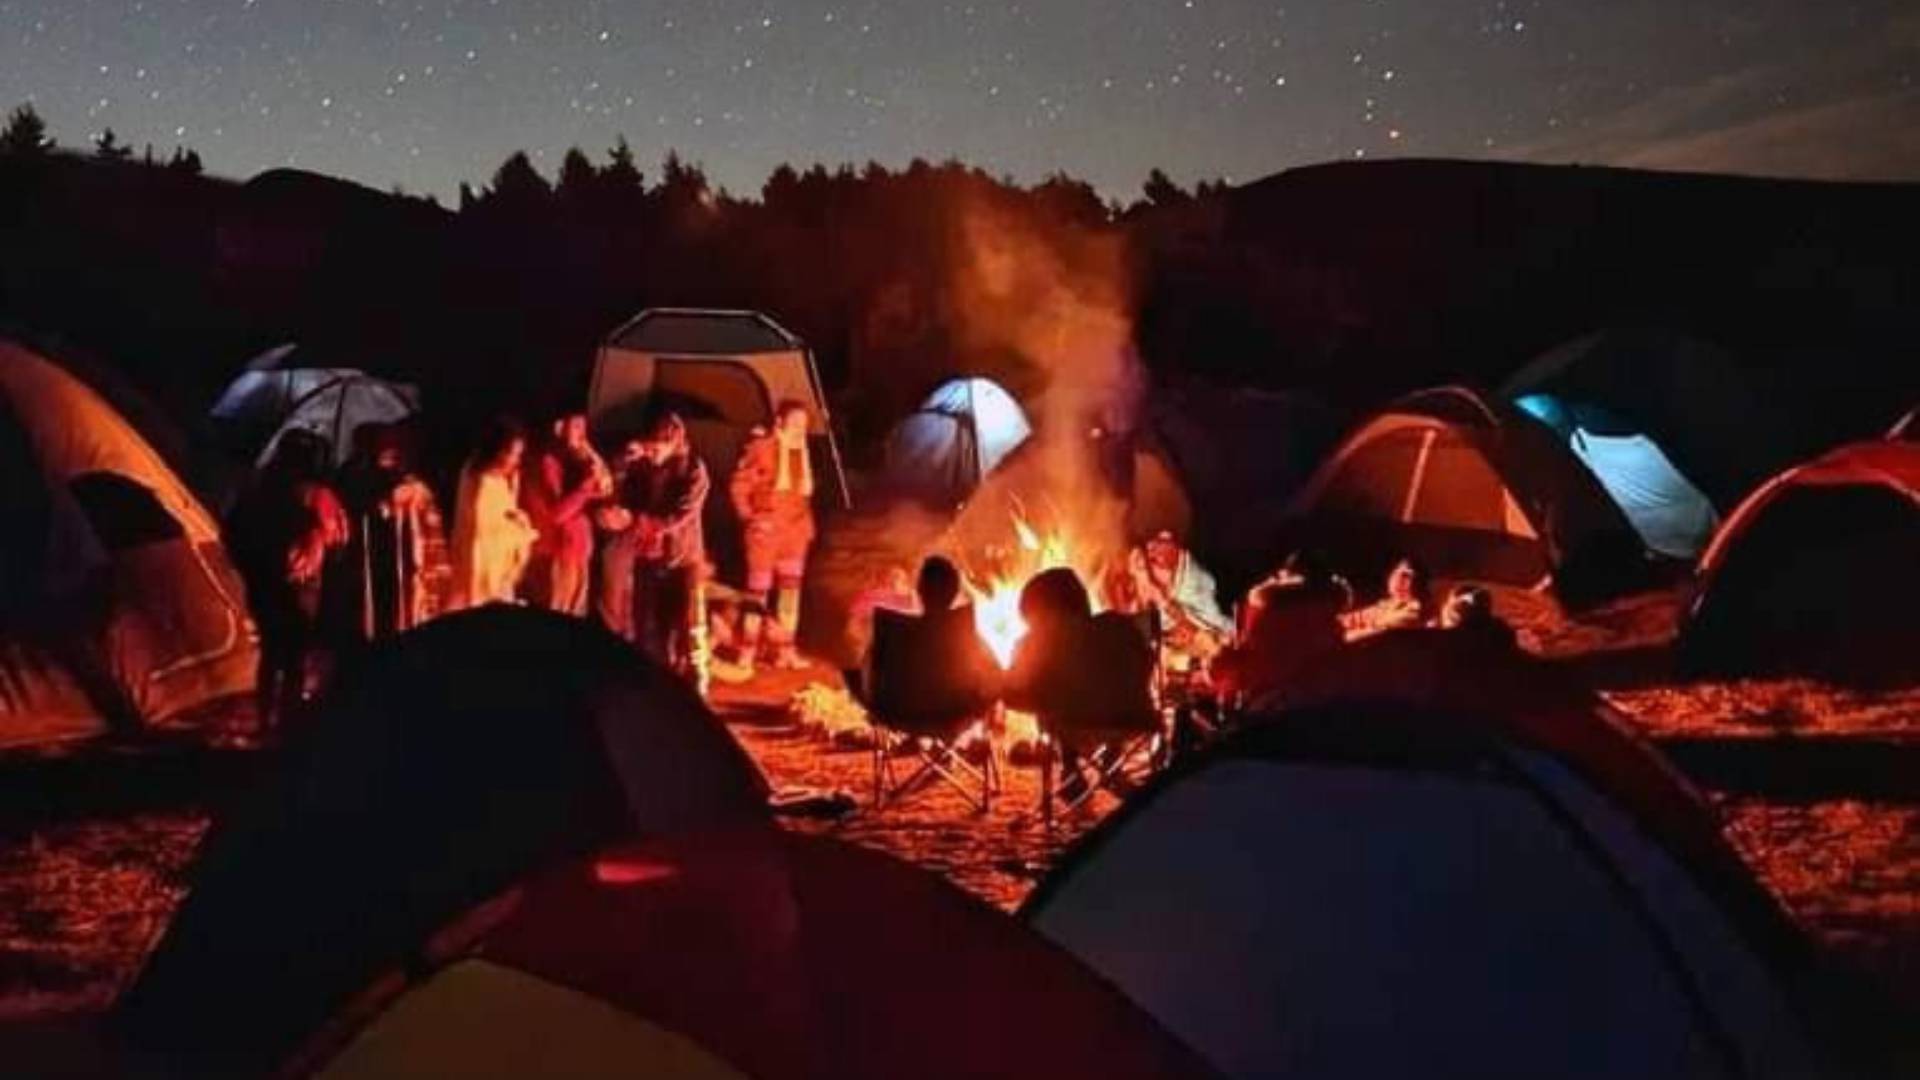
[(1468, 883), (964, 429), (288, 387), (724, 373)]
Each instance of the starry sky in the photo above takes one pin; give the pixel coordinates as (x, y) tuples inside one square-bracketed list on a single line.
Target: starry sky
[(424, 94)]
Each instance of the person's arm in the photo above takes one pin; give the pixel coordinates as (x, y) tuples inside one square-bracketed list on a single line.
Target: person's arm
[(746, 480)]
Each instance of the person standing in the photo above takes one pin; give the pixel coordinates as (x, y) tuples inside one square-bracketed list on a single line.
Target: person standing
[(561, 484), (492, 537), (772, 492), (665, 491), (382, 588), (281, 531)]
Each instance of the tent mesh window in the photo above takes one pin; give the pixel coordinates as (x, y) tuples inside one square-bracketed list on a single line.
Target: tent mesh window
[(124, 514)]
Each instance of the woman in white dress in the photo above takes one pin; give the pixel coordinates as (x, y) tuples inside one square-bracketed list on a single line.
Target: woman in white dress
[(492, 536)]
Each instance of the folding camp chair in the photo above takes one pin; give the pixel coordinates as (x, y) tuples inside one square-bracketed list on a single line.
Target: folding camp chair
[(915, 702), (1114, 714)]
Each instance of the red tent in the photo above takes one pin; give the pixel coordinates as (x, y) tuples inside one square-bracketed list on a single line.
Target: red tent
[(1817, 571), (746, 952)]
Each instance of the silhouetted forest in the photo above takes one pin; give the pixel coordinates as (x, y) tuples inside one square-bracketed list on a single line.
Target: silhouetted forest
[(1356, 282)]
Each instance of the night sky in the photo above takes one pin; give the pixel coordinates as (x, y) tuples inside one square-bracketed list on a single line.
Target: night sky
[(424, 95)]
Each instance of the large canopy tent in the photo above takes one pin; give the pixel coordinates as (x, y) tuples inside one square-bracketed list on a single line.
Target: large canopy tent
[(1482, 884), (113, 570), (941, 451), (723, 372), (451, 762), (1818, 571), (747, 953), (1473, 490)]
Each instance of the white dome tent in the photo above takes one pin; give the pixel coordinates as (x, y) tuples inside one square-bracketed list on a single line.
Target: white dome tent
[(955, 439)]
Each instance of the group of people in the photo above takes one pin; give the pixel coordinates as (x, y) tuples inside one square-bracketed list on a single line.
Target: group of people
[(334, 559), (1304, 611), (1086, 675)]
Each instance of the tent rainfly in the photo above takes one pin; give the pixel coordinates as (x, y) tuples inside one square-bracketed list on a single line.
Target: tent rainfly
[(1460, 886)]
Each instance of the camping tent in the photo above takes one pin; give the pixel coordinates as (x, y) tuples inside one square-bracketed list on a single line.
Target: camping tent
[(455, 759), (1670, 423), (1818, 570), (749, 953), (113, 569), (1473, 490), (723, 372), (284, 388), (965, 428), (1672, 516), (1472, 887), (335, 409)]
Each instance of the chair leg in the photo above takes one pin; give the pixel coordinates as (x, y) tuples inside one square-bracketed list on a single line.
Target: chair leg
[(1046, 782)]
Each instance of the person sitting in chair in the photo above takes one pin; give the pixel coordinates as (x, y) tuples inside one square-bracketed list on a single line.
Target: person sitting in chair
[(1167, 576), (930, 668), (1085, 677)]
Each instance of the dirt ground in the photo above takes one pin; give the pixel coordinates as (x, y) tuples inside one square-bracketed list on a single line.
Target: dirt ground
[(1818, 788)]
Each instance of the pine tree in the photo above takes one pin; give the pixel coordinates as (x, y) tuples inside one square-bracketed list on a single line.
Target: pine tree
[(1160, 190), (518, 187), (620, 175), (25, 134), (108, 147), (577, 178)]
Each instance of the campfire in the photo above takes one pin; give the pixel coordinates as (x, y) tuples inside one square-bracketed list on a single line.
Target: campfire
[(994, 581), (996, 591)]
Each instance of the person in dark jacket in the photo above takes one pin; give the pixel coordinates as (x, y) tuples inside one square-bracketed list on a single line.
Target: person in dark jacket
[(280, 533), (665, 490)]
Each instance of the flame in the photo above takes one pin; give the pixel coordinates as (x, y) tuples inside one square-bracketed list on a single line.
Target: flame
[(996, 598)]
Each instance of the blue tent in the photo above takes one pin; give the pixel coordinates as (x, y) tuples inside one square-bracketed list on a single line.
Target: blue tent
[(1675, 428), (944, 449), (1671, 514)]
